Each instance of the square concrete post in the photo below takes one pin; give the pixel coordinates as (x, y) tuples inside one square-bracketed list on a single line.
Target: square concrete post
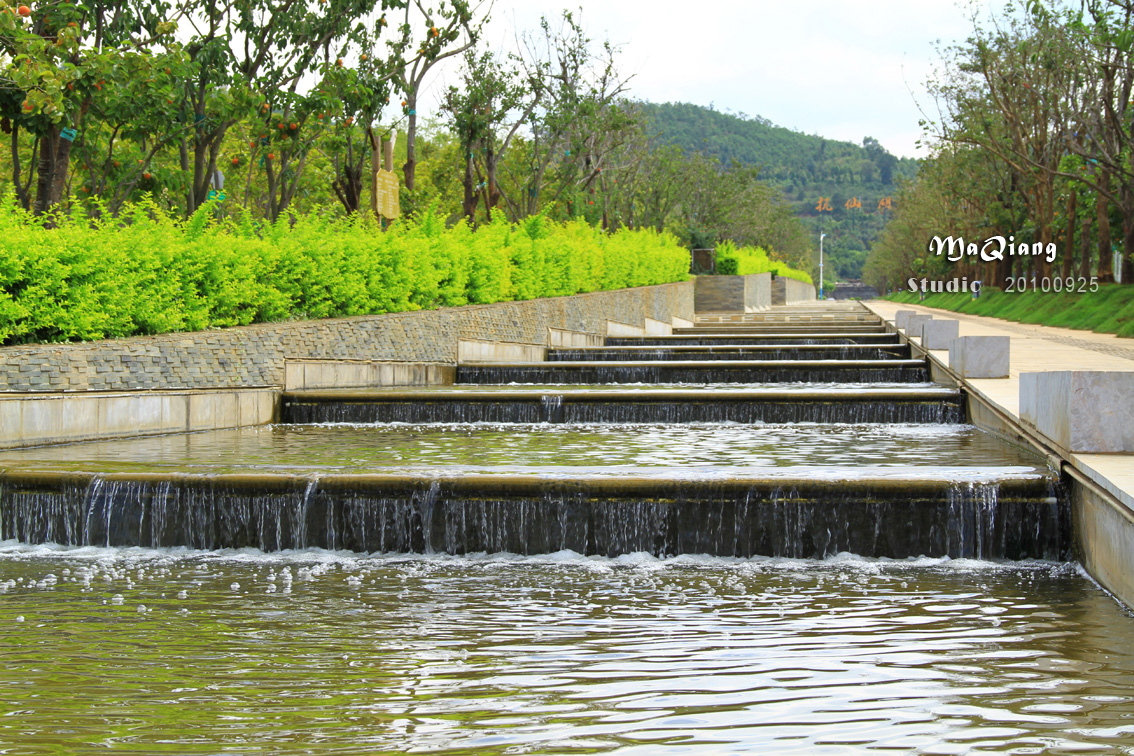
[(1083, 411), (902, 318), (939, 334), (980, 356), (915, 323)]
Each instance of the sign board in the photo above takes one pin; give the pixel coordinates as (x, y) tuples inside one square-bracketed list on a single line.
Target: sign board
[(386, 190)]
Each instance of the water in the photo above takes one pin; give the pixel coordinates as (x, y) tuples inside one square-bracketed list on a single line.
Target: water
[(721, 371), (718, 339), (804, 450), (725, 490), (536, 403), (606, 642), (156, 652), (752, 352)]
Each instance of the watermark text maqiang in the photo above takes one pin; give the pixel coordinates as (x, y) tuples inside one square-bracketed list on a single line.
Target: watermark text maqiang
[(992, 249)]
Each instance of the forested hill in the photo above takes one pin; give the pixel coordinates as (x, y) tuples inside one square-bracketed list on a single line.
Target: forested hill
[(804, 167)]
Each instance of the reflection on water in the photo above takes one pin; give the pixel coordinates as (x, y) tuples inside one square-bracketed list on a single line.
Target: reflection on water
[(369, 448), (194, 653)]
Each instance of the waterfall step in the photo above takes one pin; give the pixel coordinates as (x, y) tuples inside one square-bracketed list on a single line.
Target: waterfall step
[(802, 318), (753, 328), (733, 352), (1012, 517), (727, 339), (646, 405), (715, 371)]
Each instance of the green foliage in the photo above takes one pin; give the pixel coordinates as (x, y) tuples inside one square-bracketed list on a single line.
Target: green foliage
[(743, 261), (1109, 310), (148, 272)]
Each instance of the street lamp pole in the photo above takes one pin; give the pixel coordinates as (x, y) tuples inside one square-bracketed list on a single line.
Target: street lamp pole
[(821, 265)]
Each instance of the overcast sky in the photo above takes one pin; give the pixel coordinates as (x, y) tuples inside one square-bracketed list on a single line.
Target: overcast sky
[(843, 70)]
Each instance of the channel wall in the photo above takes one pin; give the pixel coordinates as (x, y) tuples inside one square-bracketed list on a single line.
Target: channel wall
[(51, 393), (1098, 485)]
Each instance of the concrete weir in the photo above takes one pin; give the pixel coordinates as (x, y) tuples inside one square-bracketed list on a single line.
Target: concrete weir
[(1019, 383), (729, 338), (714, 371), (553, 405), (538, 485), (741, 516), (734, 353)]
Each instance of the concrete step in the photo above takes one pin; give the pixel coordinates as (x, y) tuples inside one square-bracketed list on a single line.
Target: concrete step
[(714, 371), (747, 352), (766, 317), (731, 339), (545, 404), (796, 328), (738, 514)]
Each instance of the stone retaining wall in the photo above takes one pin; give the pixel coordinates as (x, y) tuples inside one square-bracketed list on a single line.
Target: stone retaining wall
[(786, 291), (751, 293), (33, 419), (255, 355)]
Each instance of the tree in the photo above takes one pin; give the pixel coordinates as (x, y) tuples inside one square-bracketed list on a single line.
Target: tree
[(881, 158), (64, 60), (575, 120), (450, 31), (250, 56), (477, 112)]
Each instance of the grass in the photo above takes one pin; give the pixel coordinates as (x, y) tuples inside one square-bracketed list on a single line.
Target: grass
[(1108, 310)]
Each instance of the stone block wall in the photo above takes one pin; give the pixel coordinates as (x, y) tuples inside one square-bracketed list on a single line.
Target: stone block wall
[(786, 291), (255, 355), (750, 293)]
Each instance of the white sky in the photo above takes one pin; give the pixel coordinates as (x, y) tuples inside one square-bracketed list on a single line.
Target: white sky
[(843, 70)]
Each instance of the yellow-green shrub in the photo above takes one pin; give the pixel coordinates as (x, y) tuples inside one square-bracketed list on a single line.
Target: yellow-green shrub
[(743, 261), (146, 272)]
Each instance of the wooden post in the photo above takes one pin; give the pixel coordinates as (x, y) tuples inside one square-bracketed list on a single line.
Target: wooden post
[(375, 149)]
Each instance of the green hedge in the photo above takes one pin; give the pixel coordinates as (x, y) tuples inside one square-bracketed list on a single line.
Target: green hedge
[(146, 272), (1108, 310), (743, 261)]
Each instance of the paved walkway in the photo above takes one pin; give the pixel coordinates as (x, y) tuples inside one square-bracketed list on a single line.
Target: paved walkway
[(1039, 348)]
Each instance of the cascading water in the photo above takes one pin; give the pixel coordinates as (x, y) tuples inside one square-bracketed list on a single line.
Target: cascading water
[(767, 371), (932, 406), (787, 352), (1006, 519), (425, 494), (803, 339)]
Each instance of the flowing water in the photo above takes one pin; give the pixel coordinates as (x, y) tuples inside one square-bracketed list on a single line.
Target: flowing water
[(155, 652), (795, 449), (357, 587)]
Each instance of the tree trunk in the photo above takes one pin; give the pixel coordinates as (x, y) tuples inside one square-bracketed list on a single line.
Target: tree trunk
[(469, 205), (1085, 246), (1069, 247), (1105, 270), (49, 143), (410, 168), (62, 164), (490, 160), (17, 173), (1003, 270), (1127, 264)]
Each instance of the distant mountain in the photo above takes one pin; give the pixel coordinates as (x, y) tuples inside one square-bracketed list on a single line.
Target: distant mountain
[(804, 167)]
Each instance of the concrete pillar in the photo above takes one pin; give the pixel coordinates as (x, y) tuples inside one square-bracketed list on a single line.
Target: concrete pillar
[(980, 356), (1082, 411), (902, 318), (939, 334), (915, 323)]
